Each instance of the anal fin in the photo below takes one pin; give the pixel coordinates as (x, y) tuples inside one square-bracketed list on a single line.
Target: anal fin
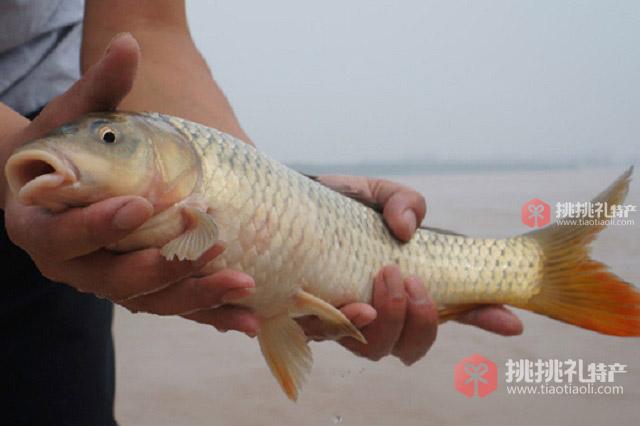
[(284, 346), (308, 304), (200, 237)]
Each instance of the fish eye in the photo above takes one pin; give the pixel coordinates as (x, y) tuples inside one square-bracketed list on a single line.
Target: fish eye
[(108, 135)]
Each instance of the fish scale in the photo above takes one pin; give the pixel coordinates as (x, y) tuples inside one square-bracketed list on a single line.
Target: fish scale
[(456, 269)]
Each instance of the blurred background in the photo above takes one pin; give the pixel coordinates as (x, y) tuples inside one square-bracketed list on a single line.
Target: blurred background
[(481, 106), (432, 83)]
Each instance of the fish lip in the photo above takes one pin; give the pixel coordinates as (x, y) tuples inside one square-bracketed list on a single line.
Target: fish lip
[(23, 177)]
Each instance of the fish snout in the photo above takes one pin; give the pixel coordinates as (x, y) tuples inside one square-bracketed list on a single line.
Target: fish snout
[(34, 175)]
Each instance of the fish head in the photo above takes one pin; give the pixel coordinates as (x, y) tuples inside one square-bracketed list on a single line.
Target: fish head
[(103, 155)]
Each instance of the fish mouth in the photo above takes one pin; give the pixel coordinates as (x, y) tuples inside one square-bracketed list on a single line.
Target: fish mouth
[(34, 175)]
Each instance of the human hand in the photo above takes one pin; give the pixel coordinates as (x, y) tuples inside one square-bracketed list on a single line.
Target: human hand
[(68, 247), (403, 319)]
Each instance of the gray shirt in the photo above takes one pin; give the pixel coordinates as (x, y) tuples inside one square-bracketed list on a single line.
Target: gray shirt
[(39, 50)]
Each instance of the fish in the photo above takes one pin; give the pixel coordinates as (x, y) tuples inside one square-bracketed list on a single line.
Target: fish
[(309, 248)]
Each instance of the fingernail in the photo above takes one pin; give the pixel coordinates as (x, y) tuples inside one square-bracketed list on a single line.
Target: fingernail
[(239, 293), (360, 321), (393, 282), (114, 38), (131, 215), (417, 292), (409, 217)]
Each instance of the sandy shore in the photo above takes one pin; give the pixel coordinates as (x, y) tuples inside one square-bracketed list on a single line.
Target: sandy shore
[(170, 371)]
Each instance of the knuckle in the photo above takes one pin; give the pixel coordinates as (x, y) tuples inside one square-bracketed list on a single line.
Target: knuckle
[(375, 356), (375, 350), (409, 360), (133, 308), (49, 270), (39, 245), (217, 322), (19, 235), (378, 188), (411, 352)]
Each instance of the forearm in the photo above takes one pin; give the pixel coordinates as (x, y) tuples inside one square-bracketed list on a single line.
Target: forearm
[(10, 123), (173, 78)]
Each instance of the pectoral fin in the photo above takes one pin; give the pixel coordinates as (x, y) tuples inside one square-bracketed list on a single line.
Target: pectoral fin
[(308, 304), (200, 237), (284, 346)]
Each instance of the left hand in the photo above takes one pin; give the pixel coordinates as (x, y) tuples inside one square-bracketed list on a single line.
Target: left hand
[(68, 247), (403, 318)]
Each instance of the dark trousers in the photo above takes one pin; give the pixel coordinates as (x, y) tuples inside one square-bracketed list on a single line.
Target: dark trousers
[(56, 350)]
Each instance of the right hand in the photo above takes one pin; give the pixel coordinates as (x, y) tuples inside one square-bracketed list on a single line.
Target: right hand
[(68, 247), (402, 319)]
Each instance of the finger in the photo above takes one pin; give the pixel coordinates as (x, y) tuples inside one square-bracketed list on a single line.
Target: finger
[(227, 318), (420, 326), (194, 294), (494, 318), (404, 211), (120, 277), (360, 314), (102, 87), (403, 208), (389, 300), (356, 187), (78, 231)]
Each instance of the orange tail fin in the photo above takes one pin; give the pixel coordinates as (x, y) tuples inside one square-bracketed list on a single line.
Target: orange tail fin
[(579, 290)]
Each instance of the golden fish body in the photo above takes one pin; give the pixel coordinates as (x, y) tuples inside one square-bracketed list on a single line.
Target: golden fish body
[(308, 247), (292, 233)]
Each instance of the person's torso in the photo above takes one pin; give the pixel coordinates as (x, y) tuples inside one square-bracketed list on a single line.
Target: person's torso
[(39, 50)]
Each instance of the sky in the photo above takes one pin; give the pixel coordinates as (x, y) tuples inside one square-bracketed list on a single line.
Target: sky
[(459, 82)]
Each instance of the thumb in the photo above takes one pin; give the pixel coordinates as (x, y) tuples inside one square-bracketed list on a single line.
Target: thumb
[(101, 88), (78, 231)]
